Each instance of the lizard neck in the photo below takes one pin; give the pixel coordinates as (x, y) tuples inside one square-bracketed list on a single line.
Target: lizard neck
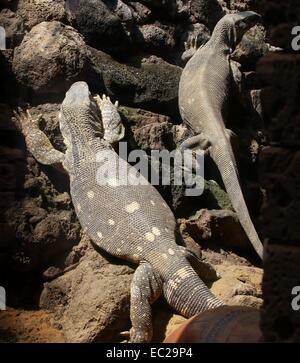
[(223, 38), (81, 130)]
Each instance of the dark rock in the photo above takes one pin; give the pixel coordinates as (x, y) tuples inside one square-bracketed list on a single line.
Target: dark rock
[(120, 9), (37, 220), (280, 17), (151, 86), (279, 175), (9, 91), (217, 226), (251, 48), (207, 12), (14, 27), (5, 118), (141, 13), (279, 165), (96, 22), (279, 99), (245, 5), (156, 136), (162, 4), (280, 322), (41, 235), (136, 118), (156, 38)]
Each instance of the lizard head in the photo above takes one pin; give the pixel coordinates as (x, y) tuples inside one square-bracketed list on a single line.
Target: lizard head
[(238, 24), (232, 27), (79, 111)]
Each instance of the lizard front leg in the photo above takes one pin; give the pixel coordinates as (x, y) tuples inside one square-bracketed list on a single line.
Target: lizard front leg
[(114, 130), (36, 141), (146, 287)]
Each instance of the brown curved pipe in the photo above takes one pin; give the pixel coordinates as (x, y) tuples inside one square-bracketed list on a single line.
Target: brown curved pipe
[(227, 324)]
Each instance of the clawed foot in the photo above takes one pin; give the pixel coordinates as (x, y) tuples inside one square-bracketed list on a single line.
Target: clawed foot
[(113, 128), (24, 121), (105, 101), (192, 43)]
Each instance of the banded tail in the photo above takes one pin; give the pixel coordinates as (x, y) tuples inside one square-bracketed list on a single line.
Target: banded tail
[(187, 293)]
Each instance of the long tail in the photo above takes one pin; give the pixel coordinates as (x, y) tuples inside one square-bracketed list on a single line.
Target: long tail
[(188, 294), (222, 155)]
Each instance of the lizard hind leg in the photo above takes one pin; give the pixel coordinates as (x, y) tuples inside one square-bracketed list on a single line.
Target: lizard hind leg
[(195, 142), (146, 287)]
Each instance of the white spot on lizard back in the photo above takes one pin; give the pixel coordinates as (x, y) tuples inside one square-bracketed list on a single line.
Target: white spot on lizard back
[(171, 252), (113, 182), (111, 222), (90, 194), (150, 236), (156, 231), (152, 202), (99, 234), (131, 208)]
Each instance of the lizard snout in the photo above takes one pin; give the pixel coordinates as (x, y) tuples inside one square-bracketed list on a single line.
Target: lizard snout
[(78, 94)]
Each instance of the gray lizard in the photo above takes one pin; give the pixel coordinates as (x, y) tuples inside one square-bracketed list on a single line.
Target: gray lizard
[(131, 222), (204, 90)]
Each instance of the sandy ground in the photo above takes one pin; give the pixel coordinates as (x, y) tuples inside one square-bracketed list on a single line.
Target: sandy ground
[(19, 326)]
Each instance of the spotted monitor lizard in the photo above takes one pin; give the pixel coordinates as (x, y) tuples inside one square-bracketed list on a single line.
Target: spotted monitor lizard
[(204, 91), (131, 222)]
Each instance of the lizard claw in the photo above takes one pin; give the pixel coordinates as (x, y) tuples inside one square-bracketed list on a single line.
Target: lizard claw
[(24, 121), (104, 101), (125, 334)]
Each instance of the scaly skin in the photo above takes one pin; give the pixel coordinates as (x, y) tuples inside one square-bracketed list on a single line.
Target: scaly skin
[(131, 222), (204, 91)]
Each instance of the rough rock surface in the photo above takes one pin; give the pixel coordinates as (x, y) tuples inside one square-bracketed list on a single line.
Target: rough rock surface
[(91, 301), (50, 54), (99, 26), (251, 48), (150, 86), (217, 226), (37, 11), (14, 27), (239, 283)]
